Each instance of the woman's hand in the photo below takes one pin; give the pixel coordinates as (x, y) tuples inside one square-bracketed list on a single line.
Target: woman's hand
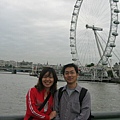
[(52, 115)]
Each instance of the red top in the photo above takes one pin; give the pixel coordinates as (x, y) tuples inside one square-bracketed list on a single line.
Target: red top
[(34, 99)]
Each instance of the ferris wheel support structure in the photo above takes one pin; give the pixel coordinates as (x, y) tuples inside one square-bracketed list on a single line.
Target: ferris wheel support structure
[(96, 38)]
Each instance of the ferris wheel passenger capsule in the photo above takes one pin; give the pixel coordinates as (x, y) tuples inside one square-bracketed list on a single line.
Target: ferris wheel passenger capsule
[(73, 52), (76, 6), (72, 45), (112, 45), (115, 0), (71, 37), (108, 55), (72, 21), (74, 59), (72, 30), (74, 13), (104, 63), (116, 22), (116, 10), (115, 34)]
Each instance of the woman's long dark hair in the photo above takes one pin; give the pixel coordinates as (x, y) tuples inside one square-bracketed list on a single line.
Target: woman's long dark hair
[(40, 85)]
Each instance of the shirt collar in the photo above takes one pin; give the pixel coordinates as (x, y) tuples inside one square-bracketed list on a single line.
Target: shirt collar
[(78, 88)]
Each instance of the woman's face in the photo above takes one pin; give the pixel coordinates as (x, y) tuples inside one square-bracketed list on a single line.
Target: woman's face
[(48, 80)]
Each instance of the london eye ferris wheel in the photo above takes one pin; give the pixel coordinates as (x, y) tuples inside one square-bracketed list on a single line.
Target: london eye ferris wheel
[(93, 31)]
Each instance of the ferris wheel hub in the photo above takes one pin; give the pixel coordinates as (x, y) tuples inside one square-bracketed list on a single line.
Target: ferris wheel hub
[(93, 27)]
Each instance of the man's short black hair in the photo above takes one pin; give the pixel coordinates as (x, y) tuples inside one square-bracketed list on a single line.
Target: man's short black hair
[(70, 65)]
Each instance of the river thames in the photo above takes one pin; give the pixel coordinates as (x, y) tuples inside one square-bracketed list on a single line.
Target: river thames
[(14, 87)]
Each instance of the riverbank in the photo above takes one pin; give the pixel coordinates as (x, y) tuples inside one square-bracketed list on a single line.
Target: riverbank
[(107, 80), (80, 78)]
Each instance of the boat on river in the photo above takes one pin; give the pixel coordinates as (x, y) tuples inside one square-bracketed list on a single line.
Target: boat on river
[(34, 74), (97, 116), (60, 77)]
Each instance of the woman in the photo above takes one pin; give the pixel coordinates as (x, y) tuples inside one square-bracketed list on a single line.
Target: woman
[(47, 84)]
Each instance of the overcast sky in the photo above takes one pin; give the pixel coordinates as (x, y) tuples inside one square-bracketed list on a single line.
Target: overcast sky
[(36, 30)]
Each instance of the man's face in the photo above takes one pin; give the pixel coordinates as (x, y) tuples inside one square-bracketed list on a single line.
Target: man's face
[(70, 75)]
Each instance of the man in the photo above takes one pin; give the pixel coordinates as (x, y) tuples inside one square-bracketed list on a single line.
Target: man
[(68, 107)]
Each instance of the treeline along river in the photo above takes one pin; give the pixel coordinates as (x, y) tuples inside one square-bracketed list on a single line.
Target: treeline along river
[(13, 89)]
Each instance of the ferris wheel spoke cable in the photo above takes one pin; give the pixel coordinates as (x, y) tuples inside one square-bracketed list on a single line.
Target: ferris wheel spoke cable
[(83, 51), (116, 56), (97, 13)]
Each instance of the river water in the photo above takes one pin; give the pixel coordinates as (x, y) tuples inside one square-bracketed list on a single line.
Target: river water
[(14, 87)]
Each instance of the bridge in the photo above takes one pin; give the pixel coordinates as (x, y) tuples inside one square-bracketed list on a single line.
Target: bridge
[(18, 69)]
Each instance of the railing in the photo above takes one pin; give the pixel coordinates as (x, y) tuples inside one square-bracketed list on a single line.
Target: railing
[(97, 116)]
